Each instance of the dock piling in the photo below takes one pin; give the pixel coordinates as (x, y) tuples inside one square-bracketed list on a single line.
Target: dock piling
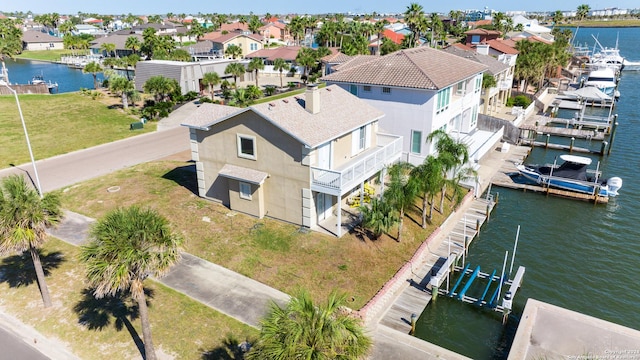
[(573, 140), (613, 134), (413, 324)]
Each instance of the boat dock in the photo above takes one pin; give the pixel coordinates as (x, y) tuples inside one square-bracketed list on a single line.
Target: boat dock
[(417, 295), (518, 153)]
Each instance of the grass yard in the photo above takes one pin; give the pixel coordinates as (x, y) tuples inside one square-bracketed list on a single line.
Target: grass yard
[(49, 55), (266, 250), (49, 119), (93, 329)]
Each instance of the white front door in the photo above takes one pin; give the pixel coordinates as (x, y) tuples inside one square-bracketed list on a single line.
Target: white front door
[(323, 206), (324, 156)]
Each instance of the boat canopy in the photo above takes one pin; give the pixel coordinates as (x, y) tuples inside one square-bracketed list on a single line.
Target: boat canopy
[(576, 159)]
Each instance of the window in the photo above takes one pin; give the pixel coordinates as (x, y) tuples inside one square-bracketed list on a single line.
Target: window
[(386, 90), (363, 138), (353, 89), (416, 141), (444, 96), (246, 146), (460, 88), (253, 46), (478, 83), (366, 88), (474, 117), (245, 190), (475, 39)]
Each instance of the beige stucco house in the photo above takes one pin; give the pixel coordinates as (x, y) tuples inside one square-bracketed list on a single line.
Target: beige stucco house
[(246, 41), (37, 40), (295, 159)]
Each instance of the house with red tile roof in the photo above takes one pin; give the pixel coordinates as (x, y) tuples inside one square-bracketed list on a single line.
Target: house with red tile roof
[(420, 90), (393, 36), (268, 56), (275, 30), (477, 36)]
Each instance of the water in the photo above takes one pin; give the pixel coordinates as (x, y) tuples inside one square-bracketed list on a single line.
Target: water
[(68, 79), (578, 255)]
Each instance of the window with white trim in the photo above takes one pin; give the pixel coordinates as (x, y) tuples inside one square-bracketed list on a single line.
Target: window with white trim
[(245, 190), (460, 88), (416, 141), (363, 138), (247, 146), (478, 83), (474, 117), (443, 99)]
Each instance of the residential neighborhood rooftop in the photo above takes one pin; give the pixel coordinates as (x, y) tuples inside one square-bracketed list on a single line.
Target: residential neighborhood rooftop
[(337, 115), (419, 68)]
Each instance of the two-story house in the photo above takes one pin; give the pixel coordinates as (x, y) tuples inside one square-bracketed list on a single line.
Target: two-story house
[(420, 90), (295, 159), (244, 40), (495, 96)]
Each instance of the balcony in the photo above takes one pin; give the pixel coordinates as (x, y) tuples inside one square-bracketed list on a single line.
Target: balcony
[(339, 181)]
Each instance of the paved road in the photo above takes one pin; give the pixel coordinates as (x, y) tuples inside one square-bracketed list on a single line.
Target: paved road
[(14, 348), (65, 170)]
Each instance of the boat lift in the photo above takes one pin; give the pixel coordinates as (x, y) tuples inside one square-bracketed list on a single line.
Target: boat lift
[(496, 301)]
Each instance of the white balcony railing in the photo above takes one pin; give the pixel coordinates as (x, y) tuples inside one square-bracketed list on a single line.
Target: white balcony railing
[(337, 182)]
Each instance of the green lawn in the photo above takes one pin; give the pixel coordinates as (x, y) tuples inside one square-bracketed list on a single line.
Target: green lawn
[(267, 250), (93, 329), (49, 55), (59, 124)]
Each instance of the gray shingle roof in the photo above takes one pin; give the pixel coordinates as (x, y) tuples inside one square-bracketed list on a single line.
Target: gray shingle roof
[(243, 174), (418, 68), (340, 113), (34, 36)]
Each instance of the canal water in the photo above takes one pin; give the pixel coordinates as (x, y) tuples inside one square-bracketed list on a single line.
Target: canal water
[(68, 79), (578, 255)]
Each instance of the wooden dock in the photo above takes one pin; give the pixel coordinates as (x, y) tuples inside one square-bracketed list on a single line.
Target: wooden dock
[(541, 123), (519, 153), (417, 295)]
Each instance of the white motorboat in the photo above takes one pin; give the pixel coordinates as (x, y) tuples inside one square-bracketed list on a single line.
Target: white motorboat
[(572, 175)]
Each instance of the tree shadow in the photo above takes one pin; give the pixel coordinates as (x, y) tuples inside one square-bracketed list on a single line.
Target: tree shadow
[(231, 349), (97, 314), (184, 176), (18, 270)]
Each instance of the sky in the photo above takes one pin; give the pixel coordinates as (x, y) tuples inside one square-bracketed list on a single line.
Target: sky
[(162, 7)]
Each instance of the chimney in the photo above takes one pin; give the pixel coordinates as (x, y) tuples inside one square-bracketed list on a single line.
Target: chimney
[(312, 99)]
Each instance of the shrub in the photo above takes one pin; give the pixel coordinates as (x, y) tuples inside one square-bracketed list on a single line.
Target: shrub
[(519, 100)]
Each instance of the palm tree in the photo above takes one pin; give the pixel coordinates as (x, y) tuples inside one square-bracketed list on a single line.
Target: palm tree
[(233, 51), (235, 70), (67, 27), (582, 11), (401, 191), (414, 16), (210, 80), (306, 58), (93, 68), (128, 245), (10, 42), (429, 178), (133, 43), (123, 86), (452, 153), (379, 217), (161, 87), (24, 215), (240, 98), (557, 17), (256, 65), (108, 48), (280, 65), (304, 330)]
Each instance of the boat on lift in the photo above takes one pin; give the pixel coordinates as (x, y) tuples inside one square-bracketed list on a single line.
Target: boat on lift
[(572, 175)]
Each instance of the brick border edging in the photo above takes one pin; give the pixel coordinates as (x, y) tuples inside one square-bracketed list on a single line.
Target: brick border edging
[(371, 309)]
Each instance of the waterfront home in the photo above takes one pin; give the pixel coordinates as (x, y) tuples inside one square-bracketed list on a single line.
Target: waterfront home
[(38, 40), (268, 56), (420, 90), (277, 31), (296, 159), (502, 72), (119, 39)]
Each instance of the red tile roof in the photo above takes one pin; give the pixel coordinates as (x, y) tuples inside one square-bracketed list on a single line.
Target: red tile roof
[(233, 35), (503, 46), (288, 53), (483, 32), (479, 23), (393, 36)]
